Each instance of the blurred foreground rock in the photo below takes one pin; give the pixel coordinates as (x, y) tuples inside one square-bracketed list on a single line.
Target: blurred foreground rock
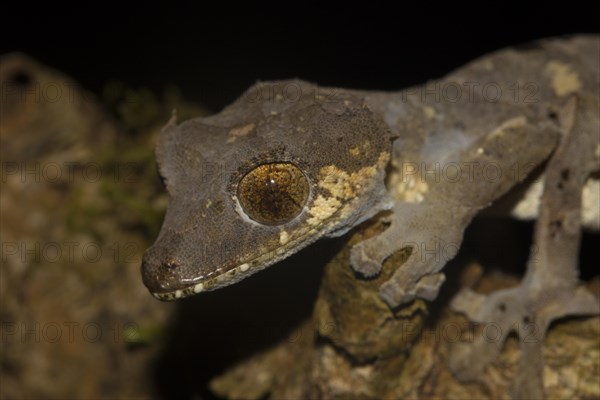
[(80, 202)]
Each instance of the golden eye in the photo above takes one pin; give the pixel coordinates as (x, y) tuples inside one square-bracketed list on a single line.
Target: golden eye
[(274, 193)]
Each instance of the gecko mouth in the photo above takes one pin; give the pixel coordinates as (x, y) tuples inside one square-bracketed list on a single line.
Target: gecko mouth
[(224, 279), (241, 271)]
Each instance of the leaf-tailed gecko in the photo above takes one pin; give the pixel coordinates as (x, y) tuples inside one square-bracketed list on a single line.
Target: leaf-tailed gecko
[(290, 162)]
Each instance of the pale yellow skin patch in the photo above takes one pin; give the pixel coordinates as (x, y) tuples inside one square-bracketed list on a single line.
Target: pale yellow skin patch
[(512, 123), (358, 150), (284, 237), (240, 131), (429, 112), (409, 189), (564, 79), (405, 184), (244, 267), (343, 187), (590, 201), (322, 209), (488, 65), (198, 288)]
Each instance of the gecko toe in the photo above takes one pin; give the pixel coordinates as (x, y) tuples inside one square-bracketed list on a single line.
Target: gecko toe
[(394, 295), (362, 263)]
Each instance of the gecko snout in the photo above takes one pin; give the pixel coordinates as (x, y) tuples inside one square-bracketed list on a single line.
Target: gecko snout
[(160, 274)]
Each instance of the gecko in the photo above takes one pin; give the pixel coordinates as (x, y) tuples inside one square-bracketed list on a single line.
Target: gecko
[(290, 162)]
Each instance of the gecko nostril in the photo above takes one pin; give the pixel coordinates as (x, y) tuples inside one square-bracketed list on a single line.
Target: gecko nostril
[(171, 264)]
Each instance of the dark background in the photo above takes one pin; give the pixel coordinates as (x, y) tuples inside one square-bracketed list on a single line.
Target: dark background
[(213, 55)]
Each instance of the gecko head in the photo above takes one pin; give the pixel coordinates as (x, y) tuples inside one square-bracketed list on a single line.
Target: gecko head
[(284, 165)]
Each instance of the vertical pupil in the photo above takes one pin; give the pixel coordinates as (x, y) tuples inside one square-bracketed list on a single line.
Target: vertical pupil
[(273, 193)]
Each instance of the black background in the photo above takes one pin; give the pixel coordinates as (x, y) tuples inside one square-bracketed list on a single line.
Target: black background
[(213, 55)]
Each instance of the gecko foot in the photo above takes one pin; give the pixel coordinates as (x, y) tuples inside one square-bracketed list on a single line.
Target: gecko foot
[(362, 262), (427, 287)]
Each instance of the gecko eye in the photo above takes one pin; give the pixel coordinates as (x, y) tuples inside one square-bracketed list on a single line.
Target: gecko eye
[(274, 193)]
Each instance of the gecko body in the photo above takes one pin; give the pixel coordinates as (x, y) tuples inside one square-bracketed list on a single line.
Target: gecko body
[(290, 162), (431, 156)]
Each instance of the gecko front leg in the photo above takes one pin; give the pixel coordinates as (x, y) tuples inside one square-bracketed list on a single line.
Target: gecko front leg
[(433, 227)]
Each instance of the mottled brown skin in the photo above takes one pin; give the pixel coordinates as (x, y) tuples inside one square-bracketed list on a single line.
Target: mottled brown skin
[(206, 235), (341, 141)]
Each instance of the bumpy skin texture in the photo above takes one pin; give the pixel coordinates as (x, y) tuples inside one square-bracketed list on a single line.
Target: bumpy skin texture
[(495, 133), (207, 240), (431, 156), (480, 130)]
